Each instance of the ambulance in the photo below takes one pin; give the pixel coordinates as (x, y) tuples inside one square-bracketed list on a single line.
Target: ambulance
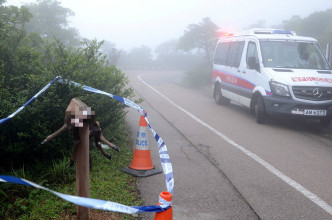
[(273, 72)]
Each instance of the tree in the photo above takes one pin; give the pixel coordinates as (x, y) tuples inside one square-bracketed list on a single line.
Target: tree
[(50, 20), (12, 38), (317, 25), (294, 23), (170, 57), (106, 48), (168, 47), (202, 36), (138, 57), (26, 67)]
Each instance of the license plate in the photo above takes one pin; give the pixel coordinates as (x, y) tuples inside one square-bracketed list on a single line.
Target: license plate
[(314, 112)]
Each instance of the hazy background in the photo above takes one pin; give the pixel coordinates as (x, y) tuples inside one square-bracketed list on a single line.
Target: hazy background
[(97, 43), (132, 23)]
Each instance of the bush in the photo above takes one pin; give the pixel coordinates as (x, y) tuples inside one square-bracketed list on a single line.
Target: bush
[(25, 68), (27, 64), (199, 76), (107, 182)]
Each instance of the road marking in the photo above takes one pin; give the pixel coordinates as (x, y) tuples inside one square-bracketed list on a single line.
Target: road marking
[(318, 201)]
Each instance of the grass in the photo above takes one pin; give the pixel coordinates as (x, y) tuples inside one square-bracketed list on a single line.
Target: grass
[(107, 182)]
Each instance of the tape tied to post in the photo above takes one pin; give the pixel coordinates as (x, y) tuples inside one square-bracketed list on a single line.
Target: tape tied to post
[(95, 203), (89, 202)]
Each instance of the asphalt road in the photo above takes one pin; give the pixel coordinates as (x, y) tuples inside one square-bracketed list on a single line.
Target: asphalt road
[(225, 165)]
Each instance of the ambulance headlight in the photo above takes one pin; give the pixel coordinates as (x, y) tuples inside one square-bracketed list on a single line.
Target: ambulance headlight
[(279, 88)]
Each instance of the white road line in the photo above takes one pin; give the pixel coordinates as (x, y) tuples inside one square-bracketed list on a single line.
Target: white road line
[(321, 203)]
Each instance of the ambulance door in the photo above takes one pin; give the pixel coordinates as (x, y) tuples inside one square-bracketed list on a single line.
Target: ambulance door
[(239, 67), (232, 76), (251, 74)]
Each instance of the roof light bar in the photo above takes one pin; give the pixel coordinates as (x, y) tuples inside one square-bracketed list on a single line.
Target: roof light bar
[(282, 32)]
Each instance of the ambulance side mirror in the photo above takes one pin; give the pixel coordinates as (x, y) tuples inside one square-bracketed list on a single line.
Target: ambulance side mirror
[(253, 63)]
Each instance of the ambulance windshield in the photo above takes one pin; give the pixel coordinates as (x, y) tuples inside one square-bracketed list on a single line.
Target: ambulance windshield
[(293, 54)]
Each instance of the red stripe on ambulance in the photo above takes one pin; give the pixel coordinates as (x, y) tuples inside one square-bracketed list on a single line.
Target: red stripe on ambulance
[(228, 78)]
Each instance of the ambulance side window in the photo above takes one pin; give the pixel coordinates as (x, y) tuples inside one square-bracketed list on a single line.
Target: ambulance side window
[(234, 54), (221, 53), (231, 56), (239, 53), (252, 57)]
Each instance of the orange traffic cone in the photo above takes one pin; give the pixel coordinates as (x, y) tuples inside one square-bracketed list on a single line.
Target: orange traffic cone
[(141, 164), (164, 198)]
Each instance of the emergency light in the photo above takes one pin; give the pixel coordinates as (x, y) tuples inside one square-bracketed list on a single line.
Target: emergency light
[(228, 34), (282, 32), (273, 31), (224, 34)]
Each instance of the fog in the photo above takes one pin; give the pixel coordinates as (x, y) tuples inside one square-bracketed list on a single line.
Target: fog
[(131, 23)]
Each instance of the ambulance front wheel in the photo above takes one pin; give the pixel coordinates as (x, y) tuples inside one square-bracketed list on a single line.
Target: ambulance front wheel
[(260, 111), (218, 97)]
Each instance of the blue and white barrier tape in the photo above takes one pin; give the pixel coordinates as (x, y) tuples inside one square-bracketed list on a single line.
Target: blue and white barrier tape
[(28, 102), (165, 202), (91, 203), (163, 153), (164, 159), (95, 203)]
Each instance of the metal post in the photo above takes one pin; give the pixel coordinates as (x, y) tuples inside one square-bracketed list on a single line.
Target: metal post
[(78, 115), (82, 171), (328, 54)]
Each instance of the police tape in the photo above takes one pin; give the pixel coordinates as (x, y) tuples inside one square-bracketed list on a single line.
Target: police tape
[(163, 153), (100, 204), (28, 102), (92, 203)]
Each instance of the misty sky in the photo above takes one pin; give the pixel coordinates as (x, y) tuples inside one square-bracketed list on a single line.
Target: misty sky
[(131, 23)]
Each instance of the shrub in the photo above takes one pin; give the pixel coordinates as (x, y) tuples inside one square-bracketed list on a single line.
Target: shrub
[(199, 76), (25, 68)]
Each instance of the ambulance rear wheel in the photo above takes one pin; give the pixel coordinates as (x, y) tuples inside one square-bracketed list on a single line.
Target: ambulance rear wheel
[(260, 110), (218, 97)]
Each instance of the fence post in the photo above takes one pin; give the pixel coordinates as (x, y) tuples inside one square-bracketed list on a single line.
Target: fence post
[(82, 171)]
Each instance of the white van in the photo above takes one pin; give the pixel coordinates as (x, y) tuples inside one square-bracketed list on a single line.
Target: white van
[(273, 72)]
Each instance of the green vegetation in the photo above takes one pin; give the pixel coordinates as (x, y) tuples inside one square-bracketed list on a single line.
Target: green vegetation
[(201, 38), (107, 182), (199, 76), (317, 25), (28, 62), (36, 45), (51, 20), (26, 68)]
